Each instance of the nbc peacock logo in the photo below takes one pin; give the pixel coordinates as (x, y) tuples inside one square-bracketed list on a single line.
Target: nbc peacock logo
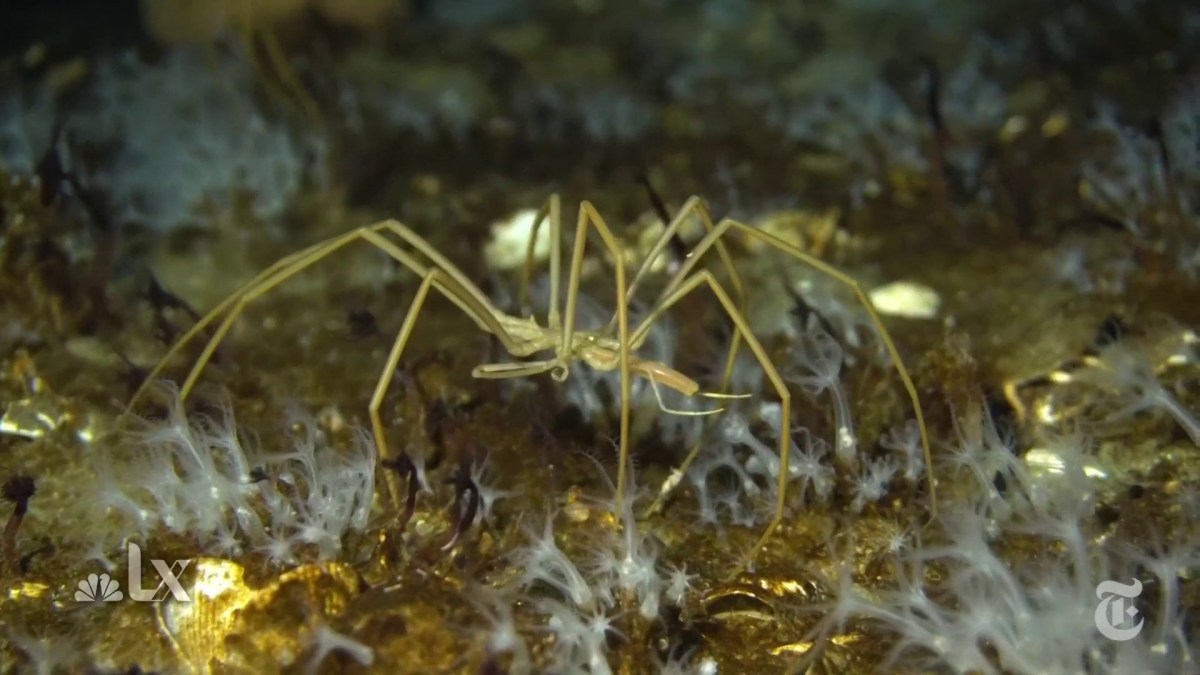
[(99, 588)]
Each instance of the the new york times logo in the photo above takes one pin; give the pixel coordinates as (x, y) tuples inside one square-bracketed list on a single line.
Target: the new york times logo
[(1115, 614)]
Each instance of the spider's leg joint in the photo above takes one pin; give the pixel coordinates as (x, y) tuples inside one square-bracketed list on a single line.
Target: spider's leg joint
[(673, 411)]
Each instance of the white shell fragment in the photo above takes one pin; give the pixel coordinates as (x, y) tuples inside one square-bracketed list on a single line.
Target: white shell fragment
[(510, 238), (1042, 461), (906, 299)]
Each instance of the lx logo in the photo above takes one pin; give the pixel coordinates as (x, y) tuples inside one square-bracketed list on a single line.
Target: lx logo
[(168, 578)]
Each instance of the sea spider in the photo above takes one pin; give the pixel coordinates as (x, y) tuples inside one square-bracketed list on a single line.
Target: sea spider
[(611, 348)]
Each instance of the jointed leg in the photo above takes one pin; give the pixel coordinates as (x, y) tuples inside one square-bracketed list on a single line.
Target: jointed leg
[(588, 216), (462, 292), (448, 279), (713, 239), (693, 206), (772, 373), (233, 305), (673, 481), (551, 210), (662, 405), (465, 293), (434, 277)]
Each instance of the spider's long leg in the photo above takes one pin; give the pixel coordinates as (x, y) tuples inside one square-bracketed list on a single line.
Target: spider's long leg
[(551, 210), (434, 278), (554, 316), (508, 371), (693, 206), (468, 296), (450, 280), (681, 290), (588, 216), (713, 239), (231, 306), (459, 289)]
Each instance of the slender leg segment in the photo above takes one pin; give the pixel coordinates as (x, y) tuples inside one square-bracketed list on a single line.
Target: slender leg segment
[(764, 360), (433, 279), (693, 206), (590, 218), (685, 280), (232, 306), (845, 279), (551, 210), (443, 275)]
